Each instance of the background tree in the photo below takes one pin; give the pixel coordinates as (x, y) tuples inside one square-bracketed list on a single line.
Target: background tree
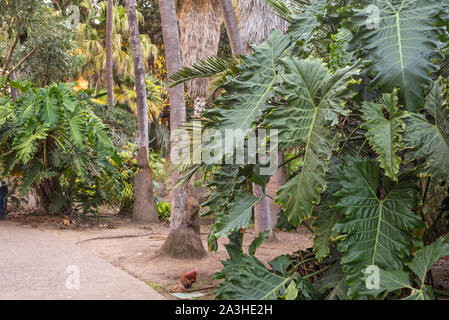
[(37, 43), (109, 30), (144, 206), (232, 27), (184, 239), (199, 35)]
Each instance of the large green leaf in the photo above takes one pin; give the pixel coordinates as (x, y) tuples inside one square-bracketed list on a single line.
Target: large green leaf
[(315, 99), (421, 263), (239, 216), (431, 140), (378, 219), (26, 141), (402, 47), (248, 93), (385, 131), (333, 283), (325, 215), (77, 127), (227, 182), (49, 107), (303, 24), (247, 278)]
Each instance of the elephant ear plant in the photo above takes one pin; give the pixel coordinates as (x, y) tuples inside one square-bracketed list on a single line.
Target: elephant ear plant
[(51, 139), (361, 110)]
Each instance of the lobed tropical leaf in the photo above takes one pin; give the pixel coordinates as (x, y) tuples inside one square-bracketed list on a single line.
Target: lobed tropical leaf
[(422, 262), (247, 278), (427, 140), (378, 220), (402, 47), (315, 99), (304, 24), (385, 126), (240, 214)]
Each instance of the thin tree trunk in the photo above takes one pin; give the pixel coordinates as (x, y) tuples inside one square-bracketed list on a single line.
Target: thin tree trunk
[(262, 215), (277, 180), (184, 241), (144, 206), (8, 56), (14, 93), (109, 26), (232, 27)]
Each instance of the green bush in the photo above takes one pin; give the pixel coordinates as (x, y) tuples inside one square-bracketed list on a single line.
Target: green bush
[(53, 141)]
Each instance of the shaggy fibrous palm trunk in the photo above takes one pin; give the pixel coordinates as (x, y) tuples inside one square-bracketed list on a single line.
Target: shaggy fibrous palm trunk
[(184, 240), (144, 207), (232, 27), (199, 35), (109, 79), (256, 21)]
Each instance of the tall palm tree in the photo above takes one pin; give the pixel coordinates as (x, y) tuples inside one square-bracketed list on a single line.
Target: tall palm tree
[(109, 78), (91, 40), (199, 36), (184, 239), (144, 206)]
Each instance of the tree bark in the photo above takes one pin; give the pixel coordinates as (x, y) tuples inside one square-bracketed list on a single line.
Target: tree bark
[(232, 27), (144, 206), (14, 93), (257, 19), (262, 215), (109, 26), (8, 56), (184, 241)]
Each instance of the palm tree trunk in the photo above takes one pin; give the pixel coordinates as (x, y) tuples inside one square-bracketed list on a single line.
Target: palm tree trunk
[(184, 241), (256, 21), (109, 26), (144, 207), (232, 27)]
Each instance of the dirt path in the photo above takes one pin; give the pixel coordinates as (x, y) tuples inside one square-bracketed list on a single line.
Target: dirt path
[(133, 249)]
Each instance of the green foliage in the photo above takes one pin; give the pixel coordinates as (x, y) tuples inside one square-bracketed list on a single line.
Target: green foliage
[(403, 48), (385, 126), (45, 41), (429, 140), (249, 91), (378, 217), (248, 279), (315, 98), (163, 210), (240, 213), (57, 145), (420, 265), (334, 117)]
